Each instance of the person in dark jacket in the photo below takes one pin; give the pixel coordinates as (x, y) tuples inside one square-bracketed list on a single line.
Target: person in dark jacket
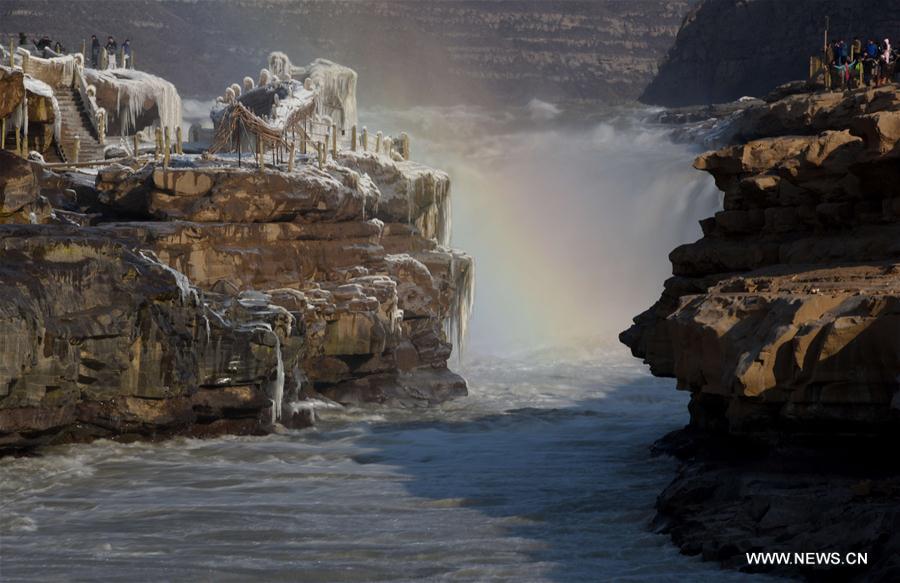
[(111, 47), (95, 51), (44, 43), (23, 40), (871, 49), (126, 53)]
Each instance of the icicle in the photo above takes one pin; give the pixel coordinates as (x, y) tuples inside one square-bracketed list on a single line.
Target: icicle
[(445, 210), (207, 328), (462, 277), (138, 88), (187, 292), (276, 388), (410, 198)]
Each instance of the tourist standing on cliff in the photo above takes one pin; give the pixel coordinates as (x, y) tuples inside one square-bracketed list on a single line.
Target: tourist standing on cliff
[(126, 53), (95, 51), (855, 49), (43, 43), (885, 63), (111, 47), (23, 40)]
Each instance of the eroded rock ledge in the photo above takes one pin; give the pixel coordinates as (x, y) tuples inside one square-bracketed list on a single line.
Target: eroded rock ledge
[(205, 298), (783, 322)]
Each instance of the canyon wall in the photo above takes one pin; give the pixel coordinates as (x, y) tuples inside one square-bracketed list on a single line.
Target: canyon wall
[(783, 317), (405, 51), (783, 323), (730, 48), (199, 294)]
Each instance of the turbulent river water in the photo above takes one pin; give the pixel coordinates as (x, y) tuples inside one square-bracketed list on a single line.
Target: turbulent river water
[(542, 474)]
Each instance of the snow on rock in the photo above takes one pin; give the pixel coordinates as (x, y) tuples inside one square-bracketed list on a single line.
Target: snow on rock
[(54, 71), (410, 192), (334, 84), (135, 100), (38, 87)]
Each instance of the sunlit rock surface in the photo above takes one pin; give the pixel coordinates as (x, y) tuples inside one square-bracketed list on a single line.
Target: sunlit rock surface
[(227, 297), (785, 314), (783, 323), (102, 340)]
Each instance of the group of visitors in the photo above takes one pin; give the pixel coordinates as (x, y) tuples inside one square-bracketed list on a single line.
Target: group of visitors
[(44, 45), (857, 64), (108, 59), (111, 50)]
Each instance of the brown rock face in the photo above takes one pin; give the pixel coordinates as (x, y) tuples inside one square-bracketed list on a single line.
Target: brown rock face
[(100, 340), (784, 316), (20, 199), (323, 283), (12, 90), (375, 296)]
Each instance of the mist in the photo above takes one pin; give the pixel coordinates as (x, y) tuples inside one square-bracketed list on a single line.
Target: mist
[(570, 222)]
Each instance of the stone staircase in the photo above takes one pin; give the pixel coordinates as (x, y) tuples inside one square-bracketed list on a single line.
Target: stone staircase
[(76, 122)]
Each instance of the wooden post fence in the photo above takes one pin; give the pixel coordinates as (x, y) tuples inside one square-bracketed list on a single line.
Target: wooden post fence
[(167, 149), (334, 141)]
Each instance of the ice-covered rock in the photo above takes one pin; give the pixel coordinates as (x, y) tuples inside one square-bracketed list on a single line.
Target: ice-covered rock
[(135, 100)]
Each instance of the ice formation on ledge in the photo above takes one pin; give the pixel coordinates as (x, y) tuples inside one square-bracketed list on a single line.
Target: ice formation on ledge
[(55, 71), (335, 85), (38, 87), (134, 93)]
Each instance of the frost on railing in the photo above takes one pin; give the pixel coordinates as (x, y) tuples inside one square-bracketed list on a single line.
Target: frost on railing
[(88, 94)]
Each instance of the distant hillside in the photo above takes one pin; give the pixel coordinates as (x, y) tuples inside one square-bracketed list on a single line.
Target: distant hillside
[(731, 48), (405, 51)]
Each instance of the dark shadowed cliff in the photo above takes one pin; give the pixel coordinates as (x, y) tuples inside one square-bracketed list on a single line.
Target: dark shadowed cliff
[(412, 51), (730, 48)]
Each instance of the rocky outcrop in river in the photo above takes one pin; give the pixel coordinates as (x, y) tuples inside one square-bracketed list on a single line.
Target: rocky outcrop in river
[(208, 296), (782, 322)]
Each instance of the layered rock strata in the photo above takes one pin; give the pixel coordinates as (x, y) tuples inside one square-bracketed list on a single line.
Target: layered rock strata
[(209, 296), (784, 312), (411, 51), (782, 322)]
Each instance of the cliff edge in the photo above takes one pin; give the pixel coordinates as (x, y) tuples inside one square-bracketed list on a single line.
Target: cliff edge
[(726, 49), (782, 322)]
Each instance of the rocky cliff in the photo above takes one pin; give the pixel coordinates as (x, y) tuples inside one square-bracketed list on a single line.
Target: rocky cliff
[(782, 322), (730, 48), (202, 295), (406, 51)]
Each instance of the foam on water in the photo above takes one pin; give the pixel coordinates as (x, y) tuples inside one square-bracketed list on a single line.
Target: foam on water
[(542, 474)]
